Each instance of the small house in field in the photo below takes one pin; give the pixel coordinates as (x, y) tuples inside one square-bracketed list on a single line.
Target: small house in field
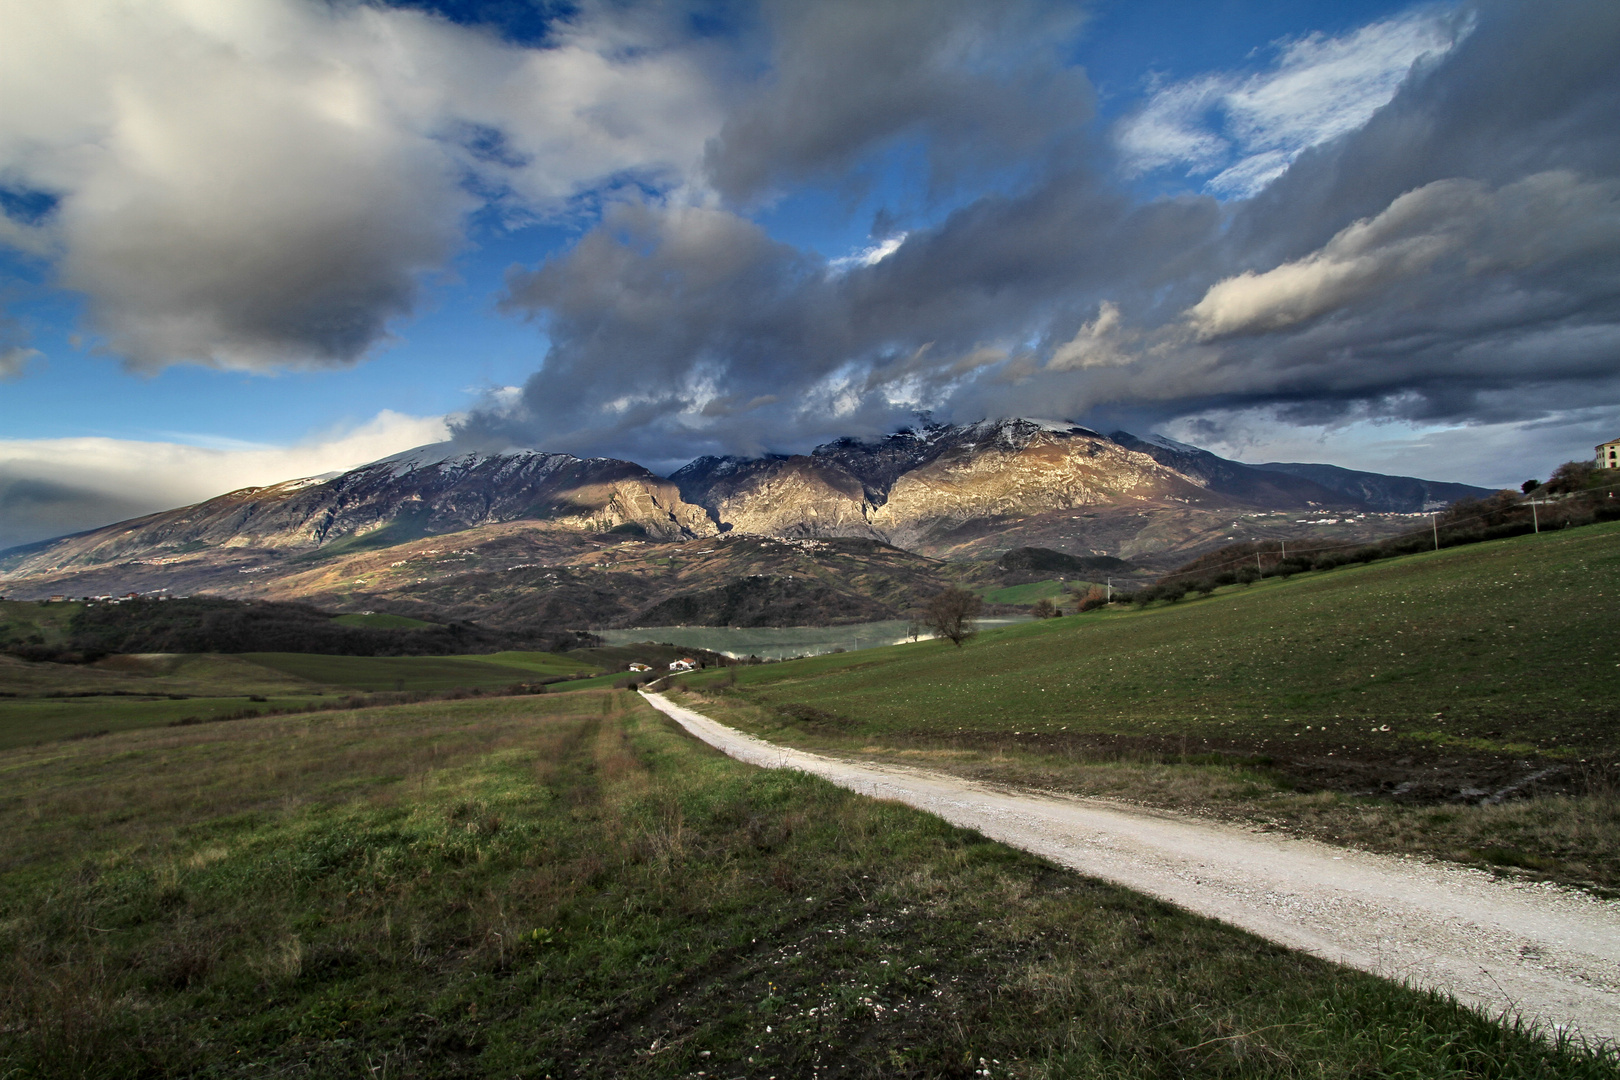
[(683, 665), (640, 667), (1608, 454)]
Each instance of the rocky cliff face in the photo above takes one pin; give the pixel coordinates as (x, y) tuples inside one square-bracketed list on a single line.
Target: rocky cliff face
[(916, 486), (778, 496), (422, 492)]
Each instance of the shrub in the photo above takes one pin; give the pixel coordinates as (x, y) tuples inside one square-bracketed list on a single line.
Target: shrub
[(951, 614), (1571, 476)]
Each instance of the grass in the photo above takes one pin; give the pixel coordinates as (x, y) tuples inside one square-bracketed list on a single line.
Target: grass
[(378, 620), (564, 885), (1308, 697), (41, 702), (420, 672), (1033, 591), (29, 722), (42, 624)]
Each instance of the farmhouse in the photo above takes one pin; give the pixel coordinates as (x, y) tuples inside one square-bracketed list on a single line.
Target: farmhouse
[(1608, 455), (640, 667), (682, 665)]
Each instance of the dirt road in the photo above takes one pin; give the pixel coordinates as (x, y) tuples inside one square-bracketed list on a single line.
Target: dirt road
[(1548, 953)]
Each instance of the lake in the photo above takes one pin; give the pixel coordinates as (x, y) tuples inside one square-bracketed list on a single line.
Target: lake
[(783, 642)]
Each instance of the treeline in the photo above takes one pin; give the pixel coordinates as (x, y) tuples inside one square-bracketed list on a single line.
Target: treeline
[(207, 624), (1581, 495)]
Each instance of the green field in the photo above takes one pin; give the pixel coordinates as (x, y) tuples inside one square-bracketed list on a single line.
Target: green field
[(1465, 663), (27, 620), (1033, 591), (564, 885), (381, 621), (421, 672), (1509, 645), (40, 702)]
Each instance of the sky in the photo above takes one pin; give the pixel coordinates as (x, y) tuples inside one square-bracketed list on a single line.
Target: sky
[(273, 238)]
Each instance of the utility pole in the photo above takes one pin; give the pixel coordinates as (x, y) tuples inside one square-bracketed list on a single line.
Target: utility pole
[(1110, 590), (1535, 517), (1284, 544), (1434, 520)]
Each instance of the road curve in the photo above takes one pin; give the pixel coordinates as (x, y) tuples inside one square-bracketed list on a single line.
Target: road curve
[(1549, 954)]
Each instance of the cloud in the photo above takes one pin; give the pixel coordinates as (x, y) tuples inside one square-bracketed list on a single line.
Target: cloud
[(267, 183), (1247, 130), (1446, 263), (50, 487), (973, 83), (868, 256)]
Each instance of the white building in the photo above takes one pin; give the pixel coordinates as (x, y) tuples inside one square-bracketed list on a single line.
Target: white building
[(1608, 455)]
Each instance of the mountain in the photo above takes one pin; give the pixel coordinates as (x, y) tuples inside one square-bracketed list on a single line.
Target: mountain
[(979, 489), (1375, 491), (546, 539), (914, 487), (427, 491)]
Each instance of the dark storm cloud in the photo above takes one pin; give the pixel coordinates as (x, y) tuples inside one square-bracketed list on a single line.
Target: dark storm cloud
[(976, 83), (1457, 259), (33, 509)]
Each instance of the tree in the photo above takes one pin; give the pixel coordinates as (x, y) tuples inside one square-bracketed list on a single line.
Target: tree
[(950, 614), (1572, 476), (1045, 609), (1529, 485)]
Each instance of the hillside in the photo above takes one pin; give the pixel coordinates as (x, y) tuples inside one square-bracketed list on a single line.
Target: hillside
[(427, 491), (1474, 673)]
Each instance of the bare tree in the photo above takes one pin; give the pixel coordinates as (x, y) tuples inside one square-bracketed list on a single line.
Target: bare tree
[(1045, 609), (950, 615)]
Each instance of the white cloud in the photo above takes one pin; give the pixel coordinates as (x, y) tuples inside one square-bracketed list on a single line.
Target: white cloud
[(868, 256), (53, 486), (1545, 217), (265, 183), (1243, 131), (1103, 342)]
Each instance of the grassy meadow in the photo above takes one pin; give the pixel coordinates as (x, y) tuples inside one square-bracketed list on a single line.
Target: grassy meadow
[(565, 885), (44, 624), (42, 702), (1378, 704), (1032, 591), (421, 672)]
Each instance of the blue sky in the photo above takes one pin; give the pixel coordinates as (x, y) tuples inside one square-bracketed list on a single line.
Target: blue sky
[(285, 237)]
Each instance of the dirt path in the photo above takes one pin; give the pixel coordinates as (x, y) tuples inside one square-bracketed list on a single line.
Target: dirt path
[(1548, 953)]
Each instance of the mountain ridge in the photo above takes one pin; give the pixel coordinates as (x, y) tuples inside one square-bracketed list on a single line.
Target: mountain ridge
[(958, 492)]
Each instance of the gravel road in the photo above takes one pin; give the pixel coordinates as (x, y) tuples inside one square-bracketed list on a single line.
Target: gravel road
[(1548, 953)]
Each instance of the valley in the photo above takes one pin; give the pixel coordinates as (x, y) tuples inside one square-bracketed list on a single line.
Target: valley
[(386, 794)]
